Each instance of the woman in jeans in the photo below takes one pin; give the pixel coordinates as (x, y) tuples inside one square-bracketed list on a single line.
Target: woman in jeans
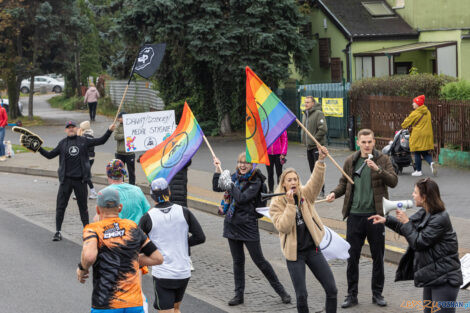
[(241, 224), (301, 231), (433, 241)]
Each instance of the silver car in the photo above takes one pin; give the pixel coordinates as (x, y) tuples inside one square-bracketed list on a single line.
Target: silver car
[(49, 83)]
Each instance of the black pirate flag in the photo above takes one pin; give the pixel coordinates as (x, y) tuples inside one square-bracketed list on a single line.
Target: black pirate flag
[(149, 59)]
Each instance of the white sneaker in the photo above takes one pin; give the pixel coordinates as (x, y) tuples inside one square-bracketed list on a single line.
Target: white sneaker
[(93, 195), (434, 169), (417, 173)]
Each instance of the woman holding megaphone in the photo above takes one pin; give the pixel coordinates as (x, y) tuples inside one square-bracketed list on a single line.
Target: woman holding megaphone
[(301, 231), (432, 258)]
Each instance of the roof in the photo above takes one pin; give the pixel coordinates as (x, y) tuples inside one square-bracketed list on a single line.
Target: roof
[(355, 21), (406, 48)]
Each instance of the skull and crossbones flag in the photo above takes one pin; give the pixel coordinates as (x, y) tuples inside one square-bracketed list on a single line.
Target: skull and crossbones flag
[(149, 60)]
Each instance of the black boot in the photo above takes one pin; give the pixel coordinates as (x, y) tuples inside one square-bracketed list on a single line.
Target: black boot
[(238, 299), (350, 301)]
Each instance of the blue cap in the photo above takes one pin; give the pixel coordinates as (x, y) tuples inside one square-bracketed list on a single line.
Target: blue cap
[(108, 198)]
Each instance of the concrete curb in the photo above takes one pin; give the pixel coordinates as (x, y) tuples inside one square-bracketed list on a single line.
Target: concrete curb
[(392, 254)]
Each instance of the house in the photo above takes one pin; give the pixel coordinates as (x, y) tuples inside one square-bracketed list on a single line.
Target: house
[(372, 38)]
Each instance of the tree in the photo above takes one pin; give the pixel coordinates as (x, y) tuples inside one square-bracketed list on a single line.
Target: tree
[(209, 43)]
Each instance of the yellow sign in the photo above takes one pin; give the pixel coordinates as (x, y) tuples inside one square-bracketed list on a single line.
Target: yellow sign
[(302, 103), (333, 107)]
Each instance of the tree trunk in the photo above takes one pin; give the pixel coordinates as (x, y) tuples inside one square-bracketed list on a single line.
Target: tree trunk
[(77, 70), (30, 100), (12, 96), (225, 128)]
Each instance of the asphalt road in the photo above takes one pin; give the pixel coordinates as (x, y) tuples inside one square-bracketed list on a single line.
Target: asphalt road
[(38, 275), (453, 182)]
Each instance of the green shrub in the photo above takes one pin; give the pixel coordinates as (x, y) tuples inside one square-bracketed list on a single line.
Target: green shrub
[(68, 104), (456, 91), (401, 85)]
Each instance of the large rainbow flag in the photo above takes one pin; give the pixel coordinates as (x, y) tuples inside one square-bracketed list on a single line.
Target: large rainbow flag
[(170, 156), (274, 115)]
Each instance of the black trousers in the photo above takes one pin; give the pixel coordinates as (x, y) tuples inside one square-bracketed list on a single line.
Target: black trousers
[(238, 257), (358, 228), (90, 183), (433, 294), (92, 110), (129, 160), (318, 265), (63, 196), (274, 161), (312, 156)]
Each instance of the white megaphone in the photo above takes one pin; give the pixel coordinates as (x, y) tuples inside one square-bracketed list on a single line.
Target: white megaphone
[(396, 205)]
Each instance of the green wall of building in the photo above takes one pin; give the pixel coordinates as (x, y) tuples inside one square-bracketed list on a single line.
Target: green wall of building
[(465, 57)]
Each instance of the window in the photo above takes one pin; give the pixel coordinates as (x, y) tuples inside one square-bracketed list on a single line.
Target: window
[(336, 70), (324, 47), (378, 9)]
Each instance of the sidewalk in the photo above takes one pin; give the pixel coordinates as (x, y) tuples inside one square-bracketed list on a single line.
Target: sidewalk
[(201, 196)]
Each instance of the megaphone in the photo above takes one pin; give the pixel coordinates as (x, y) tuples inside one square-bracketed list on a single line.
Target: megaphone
[(396, 205), (359, 170)]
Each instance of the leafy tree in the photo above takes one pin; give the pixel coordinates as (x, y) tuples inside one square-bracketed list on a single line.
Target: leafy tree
[(209, 43)]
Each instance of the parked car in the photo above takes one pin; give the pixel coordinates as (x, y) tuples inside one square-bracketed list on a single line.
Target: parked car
[(50, 83), (5, 104)]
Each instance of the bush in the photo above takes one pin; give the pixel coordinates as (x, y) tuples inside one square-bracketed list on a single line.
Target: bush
[(400, 85), (68, 104), (456, 91)]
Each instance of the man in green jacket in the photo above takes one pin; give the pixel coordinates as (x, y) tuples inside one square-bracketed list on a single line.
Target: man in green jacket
[(314, 120), (127, 158)]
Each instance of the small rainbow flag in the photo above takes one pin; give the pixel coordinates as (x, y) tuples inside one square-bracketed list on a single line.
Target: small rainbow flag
[(274, 115), (170, 156)]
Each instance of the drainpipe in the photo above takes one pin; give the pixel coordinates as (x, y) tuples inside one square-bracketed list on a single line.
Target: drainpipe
[(347, 51)]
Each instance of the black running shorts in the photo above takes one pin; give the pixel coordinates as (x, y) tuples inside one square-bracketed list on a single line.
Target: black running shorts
[(168, 292)]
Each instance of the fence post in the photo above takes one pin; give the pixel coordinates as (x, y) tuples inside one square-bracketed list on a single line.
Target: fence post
[(461, 126)]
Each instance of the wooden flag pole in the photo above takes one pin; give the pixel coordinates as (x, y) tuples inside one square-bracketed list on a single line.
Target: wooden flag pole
[(120, 105), (212, 151), (328, 155), (320, 201)]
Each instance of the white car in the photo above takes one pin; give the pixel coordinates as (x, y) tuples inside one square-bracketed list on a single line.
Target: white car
[(50, 83)]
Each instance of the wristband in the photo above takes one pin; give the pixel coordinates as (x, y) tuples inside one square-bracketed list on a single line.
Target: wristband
[(80, 266)]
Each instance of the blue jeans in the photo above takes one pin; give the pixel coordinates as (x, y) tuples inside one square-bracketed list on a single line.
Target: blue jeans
[(2, 137), (137, 309), (426, 156)]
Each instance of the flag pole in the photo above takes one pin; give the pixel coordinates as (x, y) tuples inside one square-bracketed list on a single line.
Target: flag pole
[(328, 155), (125, 91), (212, 151)]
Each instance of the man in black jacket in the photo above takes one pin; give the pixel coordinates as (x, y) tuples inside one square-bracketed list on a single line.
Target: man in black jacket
[(74, 171)]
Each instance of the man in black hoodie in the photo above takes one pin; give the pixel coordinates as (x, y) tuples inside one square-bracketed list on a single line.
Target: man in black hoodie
[(74, 171)]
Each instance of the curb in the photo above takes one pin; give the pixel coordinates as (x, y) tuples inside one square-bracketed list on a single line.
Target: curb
[(393, 254)]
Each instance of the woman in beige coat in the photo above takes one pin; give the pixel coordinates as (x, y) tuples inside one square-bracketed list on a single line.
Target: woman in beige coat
[(301, 231)]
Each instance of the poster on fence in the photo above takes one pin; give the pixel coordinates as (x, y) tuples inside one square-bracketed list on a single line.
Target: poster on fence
[(143, 131), (332, 107), (302, 103)]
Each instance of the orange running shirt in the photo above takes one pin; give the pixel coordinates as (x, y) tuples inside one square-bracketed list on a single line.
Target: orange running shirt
[(116, 282)]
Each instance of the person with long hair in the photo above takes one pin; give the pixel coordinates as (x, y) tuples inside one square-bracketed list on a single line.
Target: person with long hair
[(301, 231), (241, 224), (433, 246)]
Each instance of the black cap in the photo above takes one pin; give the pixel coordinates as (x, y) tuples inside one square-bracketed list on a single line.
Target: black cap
[(121, 114), (70, 123)]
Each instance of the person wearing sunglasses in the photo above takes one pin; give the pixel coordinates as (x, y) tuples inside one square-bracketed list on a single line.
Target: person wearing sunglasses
[(432, 259)]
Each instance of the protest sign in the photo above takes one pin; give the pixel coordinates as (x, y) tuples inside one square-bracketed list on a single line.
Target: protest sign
[(333, 107), (143, 131)]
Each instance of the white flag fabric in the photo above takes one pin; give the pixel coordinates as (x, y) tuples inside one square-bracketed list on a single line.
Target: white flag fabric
[(333, 246)]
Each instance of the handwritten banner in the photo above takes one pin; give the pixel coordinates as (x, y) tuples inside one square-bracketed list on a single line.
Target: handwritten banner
[(143, 131)]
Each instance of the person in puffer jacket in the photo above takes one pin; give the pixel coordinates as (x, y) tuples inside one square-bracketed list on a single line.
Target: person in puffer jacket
[(433, 241), (277, 155)]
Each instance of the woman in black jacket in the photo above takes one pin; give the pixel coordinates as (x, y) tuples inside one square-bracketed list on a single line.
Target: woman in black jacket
[(432, 240), (241, 224)]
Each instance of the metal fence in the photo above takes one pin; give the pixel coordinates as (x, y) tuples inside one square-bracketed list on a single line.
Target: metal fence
[(384, 115), (337, 126), (140, 96)]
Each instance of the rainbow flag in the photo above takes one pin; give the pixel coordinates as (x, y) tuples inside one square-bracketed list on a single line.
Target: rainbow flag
[(170, 156), (256, 151), (274, 115)]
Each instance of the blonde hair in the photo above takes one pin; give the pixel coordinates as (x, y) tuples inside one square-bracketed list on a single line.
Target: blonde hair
[(240, 157)]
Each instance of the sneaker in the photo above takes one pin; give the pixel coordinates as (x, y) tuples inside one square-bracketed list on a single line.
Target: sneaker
[(417, 173), (3, 158), (57, 236), (93, 195), (434, 169)]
